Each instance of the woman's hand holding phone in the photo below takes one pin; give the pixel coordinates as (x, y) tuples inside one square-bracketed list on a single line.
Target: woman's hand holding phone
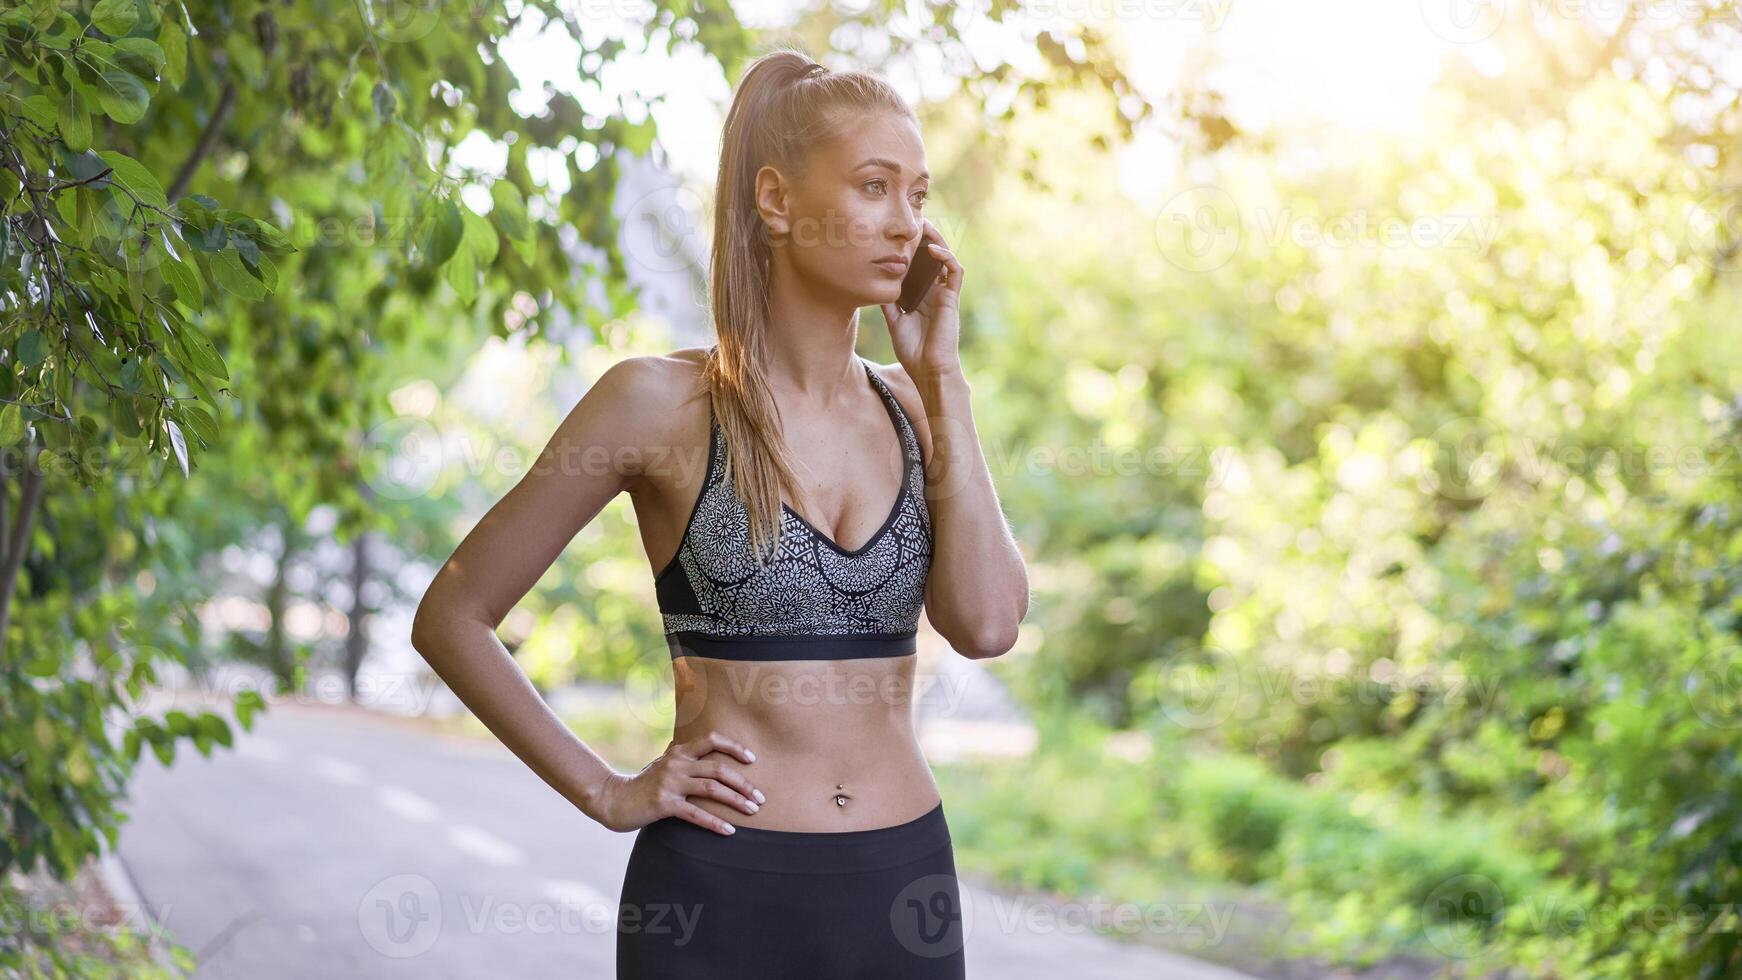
[(926, 335)]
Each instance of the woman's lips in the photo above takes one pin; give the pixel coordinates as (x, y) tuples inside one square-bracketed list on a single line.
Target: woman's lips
[(892, 266)]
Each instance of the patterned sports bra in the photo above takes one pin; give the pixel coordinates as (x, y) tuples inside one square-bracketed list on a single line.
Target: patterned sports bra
[(813, 600)]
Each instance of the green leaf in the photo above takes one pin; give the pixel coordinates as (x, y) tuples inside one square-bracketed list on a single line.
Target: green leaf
[(461, 273), (40, 109), (527, 248), (139, 56), (265, 235), (248, 703), (232, 275), (201, 352), (202, 423), (131, 175), (75, 121), (384, 101), (31, 349), (178, 442), (11, 425), (245, 247), (268, 273), (638, 137), (216, 727), (162, 745), (59, 31), (114, 17), (479, 237), (135, 283), (123, 96), (122, 414), (440, 235), (67, 203), (174, 42), (509, 210), (185, 280)]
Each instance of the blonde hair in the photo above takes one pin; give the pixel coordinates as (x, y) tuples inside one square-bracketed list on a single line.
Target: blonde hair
[(786, 105)]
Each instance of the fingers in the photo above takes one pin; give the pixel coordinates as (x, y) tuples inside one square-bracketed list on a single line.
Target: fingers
[(702, 818), (715, 779), (949, 260), (718, 781), (714, 741)]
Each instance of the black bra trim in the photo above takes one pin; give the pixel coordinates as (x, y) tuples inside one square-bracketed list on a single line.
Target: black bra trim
[(707, 480), (892, 406), (903, 432), (824, 646)]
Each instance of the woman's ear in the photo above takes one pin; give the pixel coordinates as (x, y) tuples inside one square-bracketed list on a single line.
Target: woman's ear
[(771, 202)]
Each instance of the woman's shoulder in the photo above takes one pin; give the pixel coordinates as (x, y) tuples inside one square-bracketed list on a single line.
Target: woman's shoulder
[(658, 382), (901, 385), (652, 405)]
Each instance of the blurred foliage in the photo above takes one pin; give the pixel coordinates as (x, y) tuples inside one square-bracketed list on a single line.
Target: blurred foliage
[(51, 930), (1402, 481)]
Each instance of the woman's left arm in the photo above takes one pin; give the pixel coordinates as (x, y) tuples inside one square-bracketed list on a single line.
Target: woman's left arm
[(977, 590)]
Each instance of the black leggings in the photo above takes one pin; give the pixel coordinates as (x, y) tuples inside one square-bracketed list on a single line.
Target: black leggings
[(791, 905)]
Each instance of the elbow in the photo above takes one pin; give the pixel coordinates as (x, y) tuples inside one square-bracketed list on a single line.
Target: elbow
[(421, 630), (989, 643), (426, 626)]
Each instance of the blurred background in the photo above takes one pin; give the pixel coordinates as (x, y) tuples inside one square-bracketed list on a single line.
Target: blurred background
[(1362, 381)]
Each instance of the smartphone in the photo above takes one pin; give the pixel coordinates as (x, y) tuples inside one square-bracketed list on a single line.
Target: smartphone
[(922, 274)]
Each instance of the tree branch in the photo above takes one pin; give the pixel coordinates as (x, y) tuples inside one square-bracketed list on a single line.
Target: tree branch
[(203, 148)]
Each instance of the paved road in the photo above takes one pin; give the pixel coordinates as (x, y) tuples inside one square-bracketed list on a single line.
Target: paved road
[(342, 844)]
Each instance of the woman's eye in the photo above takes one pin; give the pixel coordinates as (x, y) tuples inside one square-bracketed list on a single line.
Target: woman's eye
[(879, 182)]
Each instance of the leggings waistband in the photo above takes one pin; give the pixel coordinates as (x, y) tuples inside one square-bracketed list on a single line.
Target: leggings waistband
[(805, 851)]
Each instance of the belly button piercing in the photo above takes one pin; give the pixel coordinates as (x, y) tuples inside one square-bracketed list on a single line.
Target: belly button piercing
[(840, 798)]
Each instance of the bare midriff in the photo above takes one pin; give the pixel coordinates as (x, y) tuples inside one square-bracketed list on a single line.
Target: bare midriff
[(834, 740)]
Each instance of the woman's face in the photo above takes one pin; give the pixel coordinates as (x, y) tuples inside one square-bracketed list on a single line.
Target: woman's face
[(859, 202)]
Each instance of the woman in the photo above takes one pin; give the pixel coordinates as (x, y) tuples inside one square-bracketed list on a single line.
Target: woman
[(792, 827)]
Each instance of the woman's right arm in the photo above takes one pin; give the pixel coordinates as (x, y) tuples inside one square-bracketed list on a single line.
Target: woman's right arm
[(598, 451)]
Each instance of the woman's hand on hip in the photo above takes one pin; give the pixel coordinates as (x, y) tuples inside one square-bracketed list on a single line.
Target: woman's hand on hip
[(664, 786)]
